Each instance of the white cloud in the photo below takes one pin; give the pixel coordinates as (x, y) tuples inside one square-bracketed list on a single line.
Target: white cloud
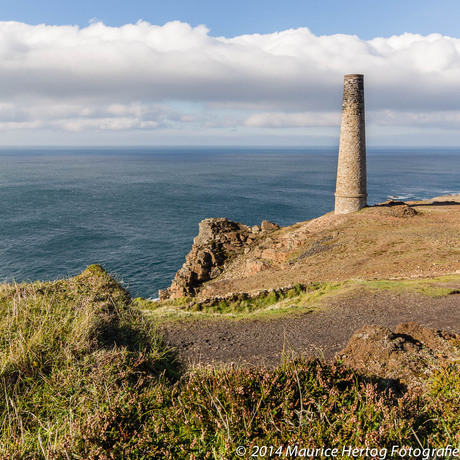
[(110, 124), (440, 119), (80, 117), (137, 76), (292, 120)]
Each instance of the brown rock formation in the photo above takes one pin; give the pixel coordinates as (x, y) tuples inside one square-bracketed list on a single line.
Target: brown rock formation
[(410, 354), (269, 226), (218, 241)]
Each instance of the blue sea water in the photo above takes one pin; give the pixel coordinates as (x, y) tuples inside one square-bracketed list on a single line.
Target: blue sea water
[(136, 210)]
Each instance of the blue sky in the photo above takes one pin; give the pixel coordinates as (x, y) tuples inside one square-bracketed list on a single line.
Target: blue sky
[(368, 19), (236, 72)]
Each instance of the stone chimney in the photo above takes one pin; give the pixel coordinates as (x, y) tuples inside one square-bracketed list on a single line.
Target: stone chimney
[(350, 192)]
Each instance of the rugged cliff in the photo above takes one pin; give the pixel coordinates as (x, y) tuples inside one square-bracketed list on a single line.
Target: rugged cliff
[(390, 240), (219, 241)]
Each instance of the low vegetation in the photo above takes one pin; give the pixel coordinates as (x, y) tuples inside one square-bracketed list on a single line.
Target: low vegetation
[(70, 351), (293, 299), (83, 375)]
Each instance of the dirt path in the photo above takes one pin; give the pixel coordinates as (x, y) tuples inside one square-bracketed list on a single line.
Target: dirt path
[(320, 333)]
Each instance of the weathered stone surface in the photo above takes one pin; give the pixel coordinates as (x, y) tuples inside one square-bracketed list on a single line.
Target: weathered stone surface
[(218, 241), (410, 354), (351, 194), (269, 226), (256, 266)]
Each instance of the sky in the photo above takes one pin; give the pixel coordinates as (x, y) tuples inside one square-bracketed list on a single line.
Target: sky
[(221, 72)]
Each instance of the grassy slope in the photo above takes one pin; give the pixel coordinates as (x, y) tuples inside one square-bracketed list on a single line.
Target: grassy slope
[(83, 375), (69, 350)]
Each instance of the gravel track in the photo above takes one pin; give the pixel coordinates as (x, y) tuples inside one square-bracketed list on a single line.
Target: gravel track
[(322, 332)]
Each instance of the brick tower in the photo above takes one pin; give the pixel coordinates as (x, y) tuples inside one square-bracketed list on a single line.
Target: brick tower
[(350, 192)]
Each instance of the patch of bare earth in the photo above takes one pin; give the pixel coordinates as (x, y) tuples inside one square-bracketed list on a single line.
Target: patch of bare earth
[(319, 333), (410, 354)]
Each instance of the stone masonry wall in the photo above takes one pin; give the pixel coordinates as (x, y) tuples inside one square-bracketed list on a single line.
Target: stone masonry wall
[(351, 194)]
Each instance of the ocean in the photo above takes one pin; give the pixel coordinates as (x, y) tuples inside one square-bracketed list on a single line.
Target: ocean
[(136, 210)]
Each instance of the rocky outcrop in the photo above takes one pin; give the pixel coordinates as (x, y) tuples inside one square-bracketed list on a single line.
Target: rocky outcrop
[(218, 241), (394, 208), (239, 297), (410, 354), (267, 226)]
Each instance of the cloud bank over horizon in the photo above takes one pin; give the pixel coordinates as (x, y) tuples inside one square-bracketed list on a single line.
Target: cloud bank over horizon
[(175, 79)]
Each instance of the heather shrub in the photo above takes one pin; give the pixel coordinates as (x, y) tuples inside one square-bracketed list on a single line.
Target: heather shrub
[(67, 349)]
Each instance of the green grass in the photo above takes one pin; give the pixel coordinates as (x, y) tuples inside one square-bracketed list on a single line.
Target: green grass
[(67, 348), (432, 287), (268, 304), (83, 375), (299, 299)]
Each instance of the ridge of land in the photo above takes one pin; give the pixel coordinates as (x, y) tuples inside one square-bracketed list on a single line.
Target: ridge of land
[(393, 240)]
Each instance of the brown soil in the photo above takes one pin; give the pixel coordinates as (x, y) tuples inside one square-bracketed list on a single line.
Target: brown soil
[(321, 333)]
